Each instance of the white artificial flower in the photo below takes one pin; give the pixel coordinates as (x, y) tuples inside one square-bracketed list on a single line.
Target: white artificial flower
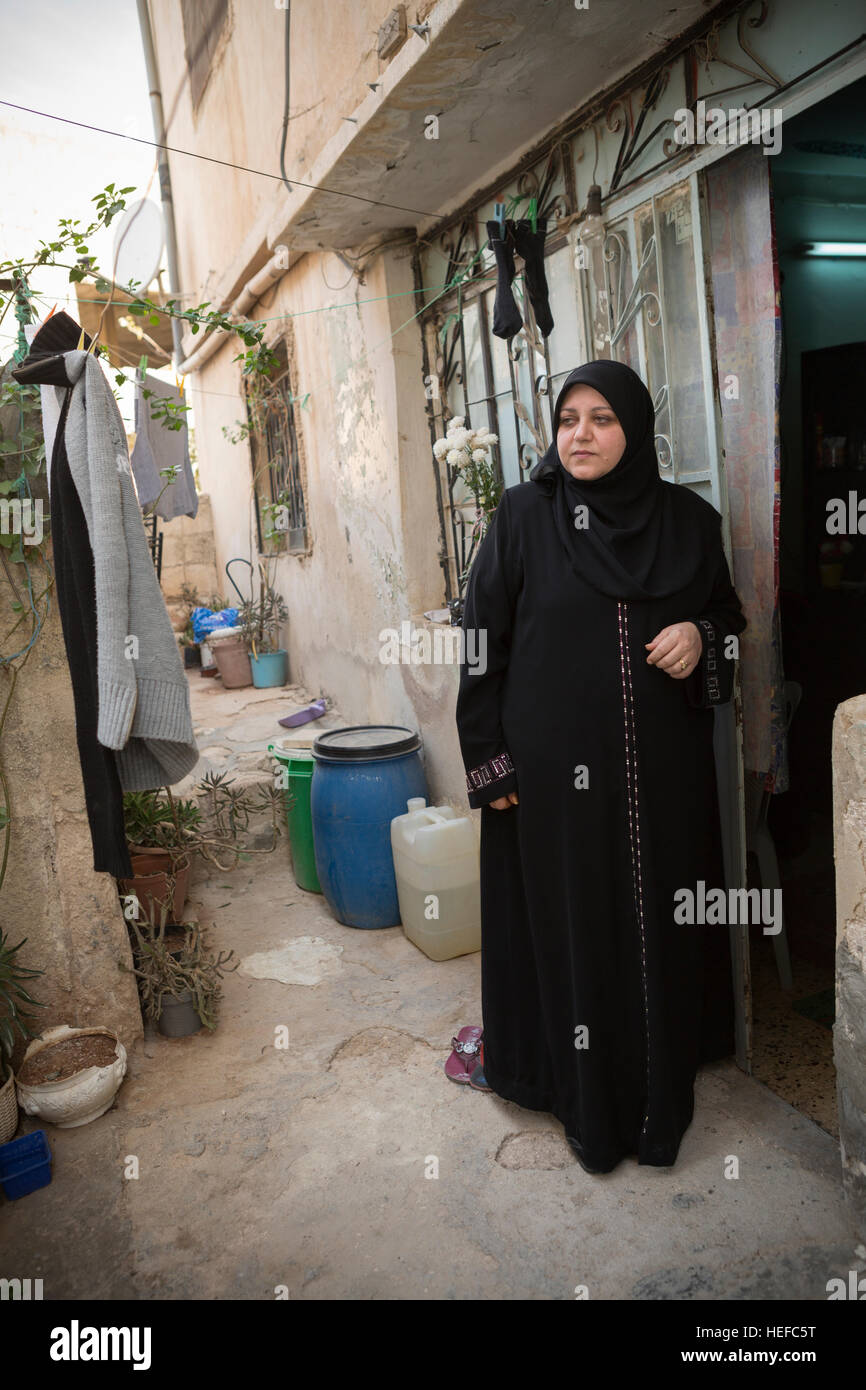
[(454, 457), (441, 447), (460, 438), (455, 422), (479, 455), (489, 439)]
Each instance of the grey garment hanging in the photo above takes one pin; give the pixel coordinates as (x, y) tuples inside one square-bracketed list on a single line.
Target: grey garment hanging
[(158, 447)]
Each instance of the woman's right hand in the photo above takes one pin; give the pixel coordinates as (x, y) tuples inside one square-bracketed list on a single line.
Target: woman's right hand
[(503, 803)]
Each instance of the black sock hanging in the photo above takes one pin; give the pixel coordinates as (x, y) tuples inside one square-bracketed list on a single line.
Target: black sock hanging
[(506, 315), (530, 246)]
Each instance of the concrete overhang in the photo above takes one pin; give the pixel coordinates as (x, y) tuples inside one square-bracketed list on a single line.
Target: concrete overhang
[(498, 75)]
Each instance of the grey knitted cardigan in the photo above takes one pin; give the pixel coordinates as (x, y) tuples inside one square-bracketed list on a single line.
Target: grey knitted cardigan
[(144, 711)]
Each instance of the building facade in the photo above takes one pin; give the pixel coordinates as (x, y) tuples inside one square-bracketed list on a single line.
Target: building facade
[(726, 146)]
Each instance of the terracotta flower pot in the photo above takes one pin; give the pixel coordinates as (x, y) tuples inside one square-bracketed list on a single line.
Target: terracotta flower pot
[(151, 869), (233, 661)]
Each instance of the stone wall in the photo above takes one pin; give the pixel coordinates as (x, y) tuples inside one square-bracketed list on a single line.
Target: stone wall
[(69, 914), (188, 554), (849, 832)]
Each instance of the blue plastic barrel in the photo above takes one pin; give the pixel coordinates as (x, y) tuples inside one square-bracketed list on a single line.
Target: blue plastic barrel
[(363, 778)]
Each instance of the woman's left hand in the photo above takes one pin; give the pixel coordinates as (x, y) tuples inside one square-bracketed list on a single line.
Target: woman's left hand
[(676, 650)]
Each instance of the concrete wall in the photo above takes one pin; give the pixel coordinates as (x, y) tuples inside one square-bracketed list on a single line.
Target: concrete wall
[(849, 823), (69, 914)]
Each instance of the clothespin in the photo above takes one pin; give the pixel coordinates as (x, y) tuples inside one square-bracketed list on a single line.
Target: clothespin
[(80, 343), (499, 216), (178, 381), (533, 213), (50, 312)]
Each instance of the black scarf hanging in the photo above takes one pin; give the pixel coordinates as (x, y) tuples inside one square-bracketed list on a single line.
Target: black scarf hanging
[(644, 537)]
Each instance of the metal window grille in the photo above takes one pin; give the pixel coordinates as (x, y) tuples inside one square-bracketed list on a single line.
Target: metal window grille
[(281, 514)]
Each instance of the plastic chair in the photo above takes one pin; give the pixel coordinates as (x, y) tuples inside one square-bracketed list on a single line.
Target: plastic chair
[(761, 845)]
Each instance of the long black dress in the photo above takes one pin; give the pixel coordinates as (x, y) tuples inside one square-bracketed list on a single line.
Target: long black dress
[(75, 583), (597, 1006)]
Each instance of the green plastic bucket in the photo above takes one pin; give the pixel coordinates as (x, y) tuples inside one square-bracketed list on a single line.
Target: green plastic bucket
[(299, 766)]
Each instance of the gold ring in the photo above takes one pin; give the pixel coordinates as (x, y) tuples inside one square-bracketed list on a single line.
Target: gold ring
[(682, 664)]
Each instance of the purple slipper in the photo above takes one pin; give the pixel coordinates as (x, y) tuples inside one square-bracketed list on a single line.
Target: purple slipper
[(464, 1055)]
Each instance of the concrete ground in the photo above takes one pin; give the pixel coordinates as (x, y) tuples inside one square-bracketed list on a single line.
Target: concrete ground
[(345, 1165)]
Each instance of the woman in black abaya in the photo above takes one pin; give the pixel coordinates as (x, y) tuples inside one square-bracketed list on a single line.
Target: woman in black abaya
[(602, 602)]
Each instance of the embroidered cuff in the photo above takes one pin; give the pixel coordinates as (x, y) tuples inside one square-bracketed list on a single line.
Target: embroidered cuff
[(711, 682), (494, 770)]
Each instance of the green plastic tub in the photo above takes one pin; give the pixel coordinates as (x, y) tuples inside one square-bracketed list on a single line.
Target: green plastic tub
[(299, 765)]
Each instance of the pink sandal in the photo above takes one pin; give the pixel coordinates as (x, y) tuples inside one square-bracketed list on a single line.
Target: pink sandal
[(464, 1055)]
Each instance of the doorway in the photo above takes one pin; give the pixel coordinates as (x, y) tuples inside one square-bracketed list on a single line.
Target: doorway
[(818, 184)]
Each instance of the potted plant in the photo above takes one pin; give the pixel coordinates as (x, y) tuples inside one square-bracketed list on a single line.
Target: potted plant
[(466, 452), (164, 833), (159, 832), (12, 1017), (191, 651), (260, 622), (70, 1076), (179, 977)]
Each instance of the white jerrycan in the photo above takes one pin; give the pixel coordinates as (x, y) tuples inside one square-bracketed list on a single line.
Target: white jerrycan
[(436, 865)]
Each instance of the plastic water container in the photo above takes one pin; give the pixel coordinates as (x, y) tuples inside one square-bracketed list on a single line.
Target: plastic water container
[(25, 1165), (363, 776), (436, 865), (299, 767)]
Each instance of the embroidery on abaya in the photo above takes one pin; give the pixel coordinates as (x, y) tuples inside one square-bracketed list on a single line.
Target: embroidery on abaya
[(640, 541)]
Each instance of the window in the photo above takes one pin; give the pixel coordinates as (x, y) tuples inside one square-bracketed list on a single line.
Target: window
[(510, 389), (646, 299), (277, 462), (203, 23), (636, 295)]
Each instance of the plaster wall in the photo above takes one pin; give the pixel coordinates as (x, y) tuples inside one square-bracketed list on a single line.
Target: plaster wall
[(849, 1033), (372, 562), (240, 114)]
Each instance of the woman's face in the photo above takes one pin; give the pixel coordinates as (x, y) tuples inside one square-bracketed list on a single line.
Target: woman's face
[(590, 440)]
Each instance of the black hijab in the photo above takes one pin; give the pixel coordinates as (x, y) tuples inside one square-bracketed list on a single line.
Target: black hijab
[(640, 541)]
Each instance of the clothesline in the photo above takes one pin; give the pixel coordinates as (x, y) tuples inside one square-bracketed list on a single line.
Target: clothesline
[(39, 295), (278, 318)]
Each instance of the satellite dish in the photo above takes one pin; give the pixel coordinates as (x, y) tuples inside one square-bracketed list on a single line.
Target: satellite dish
[(138, 243)]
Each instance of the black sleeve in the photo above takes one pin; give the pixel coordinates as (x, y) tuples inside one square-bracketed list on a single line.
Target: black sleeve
[(712, 681), (487, 619)]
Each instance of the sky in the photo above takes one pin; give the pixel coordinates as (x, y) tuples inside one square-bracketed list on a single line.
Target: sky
[(81, 59)]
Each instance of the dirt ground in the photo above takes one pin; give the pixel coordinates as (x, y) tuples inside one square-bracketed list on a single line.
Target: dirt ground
[(345, 1166)]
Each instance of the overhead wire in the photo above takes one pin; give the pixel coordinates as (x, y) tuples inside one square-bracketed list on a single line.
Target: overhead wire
[(225, 163)]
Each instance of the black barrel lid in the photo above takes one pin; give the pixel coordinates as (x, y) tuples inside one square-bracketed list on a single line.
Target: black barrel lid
[(363, 742)]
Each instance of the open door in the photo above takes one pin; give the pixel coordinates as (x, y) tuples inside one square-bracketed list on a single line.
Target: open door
[(648, 295)]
